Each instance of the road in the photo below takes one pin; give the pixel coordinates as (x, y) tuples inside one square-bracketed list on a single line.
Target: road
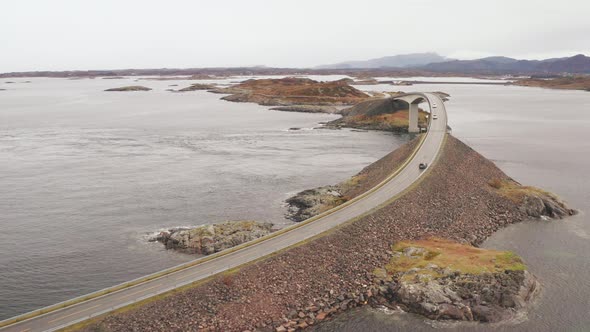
[(405, 178)]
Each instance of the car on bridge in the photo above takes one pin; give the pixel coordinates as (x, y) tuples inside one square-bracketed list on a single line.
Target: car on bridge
[(423, 165)]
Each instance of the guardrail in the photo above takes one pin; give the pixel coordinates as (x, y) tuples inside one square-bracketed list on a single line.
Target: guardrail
[(156, 275)]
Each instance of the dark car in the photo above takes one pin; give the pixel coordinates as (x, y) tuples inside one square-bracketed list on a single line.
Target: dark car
[(422, 165)]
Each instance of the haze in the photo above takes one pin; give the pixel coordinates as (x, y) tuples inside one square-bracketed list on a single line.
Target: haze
[(109, 34)]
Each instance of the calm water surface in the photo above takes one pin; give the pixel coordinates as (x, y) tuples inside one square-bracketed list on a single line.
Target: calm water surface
[(539, 137), (85, 175)]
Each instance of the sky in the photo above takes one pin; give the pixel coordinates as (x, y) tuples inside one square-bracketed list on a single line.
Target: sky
[(117, 34)]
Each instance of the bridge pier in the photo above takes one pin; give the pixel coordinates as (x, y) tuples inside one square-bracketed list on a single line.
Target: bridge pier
[(413, 117)]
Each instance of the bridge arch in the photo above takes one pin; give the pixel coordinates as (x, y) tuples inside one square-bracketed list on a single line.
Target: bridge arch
[(413, 99)]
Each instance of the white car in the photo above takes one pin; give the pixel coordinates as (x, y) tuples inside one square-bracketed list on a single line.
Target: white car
[(434, 117), (433, 105)]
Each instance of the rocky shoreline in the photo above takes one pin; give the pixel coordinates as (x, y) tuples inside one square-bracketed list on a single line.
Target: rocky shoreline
[(307, 284), (312, 202), (445, 280), (209, 239)]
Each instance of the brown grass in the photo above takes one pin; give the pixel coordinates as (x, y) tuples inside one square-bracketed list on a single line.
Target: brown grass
[(459, 257), (515, 191)]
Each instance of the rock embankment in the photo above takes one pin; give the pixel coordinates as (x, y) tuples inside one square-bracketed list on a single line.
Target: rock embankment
[(314, 281), (441, 279), (293, 91), (312, 202), (130, 88), (209, 239)]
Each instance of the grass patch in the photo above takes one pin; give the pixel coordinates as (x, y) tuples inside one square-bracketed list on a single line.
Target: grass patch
[(459, 257), (515, 191)]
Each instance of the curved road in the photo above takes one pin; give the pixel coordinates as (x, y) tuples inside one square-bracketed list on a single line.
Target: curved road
[(405, 178)]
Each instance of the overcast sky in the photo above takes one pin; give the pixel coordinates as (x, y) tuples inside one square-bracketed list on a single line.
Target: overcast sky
[(109, 34)]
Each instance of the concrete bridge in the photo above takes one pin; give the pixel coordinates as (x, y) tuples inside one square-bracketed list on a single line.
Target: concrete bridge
[(413, 99)]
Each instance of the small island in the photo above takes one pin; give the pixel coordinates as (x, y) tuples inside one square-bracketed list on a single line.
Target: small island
[(291, 91), (443, 279), (197, 87), (130, 88), (209, 239)]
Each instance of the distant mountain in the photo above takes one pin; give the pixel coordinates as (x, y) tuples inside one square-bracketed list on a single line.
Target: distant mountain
[(578, 64), (395, 61)]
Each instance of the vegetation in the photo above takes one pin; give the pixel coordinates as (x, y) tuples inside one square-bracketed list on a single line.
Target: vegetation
[(517, 192), (463, 258), (294, 91)]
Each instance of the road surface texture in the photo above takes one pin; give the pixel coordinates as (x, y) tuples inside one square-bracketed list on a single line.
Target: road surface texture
[(72, 314)]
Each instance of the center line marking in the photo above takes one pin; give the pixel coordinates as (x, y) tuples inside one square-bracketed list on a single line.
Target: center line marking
[(139, 291), (74, 313)]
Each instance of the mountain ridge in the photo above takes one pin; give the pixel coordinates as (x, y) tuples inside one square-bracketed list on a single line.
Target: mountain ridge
[(392, 61)]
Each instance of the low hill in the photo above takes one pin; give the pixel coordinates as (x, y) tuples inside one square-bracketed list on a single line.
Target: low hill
[(293, 91)]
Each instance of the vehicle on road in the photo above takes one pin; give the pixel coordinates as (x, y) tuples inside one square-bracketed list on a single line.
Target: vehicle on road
[(434, 117), (423, 165)]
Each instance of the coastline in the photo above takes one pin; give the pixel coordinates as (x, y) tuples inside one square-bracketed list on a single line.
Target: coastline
[(339, 285)]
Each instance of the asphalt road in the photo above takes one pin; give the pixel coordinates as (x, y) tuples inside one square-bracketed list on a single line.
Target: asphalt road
[(75, 313)]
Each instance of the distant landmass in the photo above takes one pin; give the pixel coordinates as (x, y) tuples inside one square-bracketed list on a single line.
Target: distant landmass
[(494, 65), (395, 61), (578, 64), (405, 65)]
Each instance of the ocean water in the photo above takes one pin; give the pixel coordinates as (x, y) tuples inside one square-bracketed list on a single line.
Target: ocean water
[(86, 175)]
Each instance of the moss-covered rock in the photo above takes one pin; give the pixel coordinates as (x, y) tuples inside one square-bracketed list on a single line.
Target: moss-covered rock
[(533, 201), (209, 239), (442, 279)]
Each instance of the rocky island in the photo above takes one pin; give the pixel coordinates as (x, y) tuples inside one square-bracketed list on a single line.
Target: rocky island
[(209, 239), (130, 88), (197, 87), (443, 279), (293, 91)]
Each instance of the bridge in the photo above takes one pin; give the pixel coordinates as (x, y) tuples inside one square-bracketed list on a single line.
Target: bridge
[(64, 314)]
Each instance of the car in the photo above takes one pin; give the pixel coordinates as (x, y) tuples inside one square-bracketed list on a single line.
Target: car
[(434, 117), (422, 165), (433, 105)]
